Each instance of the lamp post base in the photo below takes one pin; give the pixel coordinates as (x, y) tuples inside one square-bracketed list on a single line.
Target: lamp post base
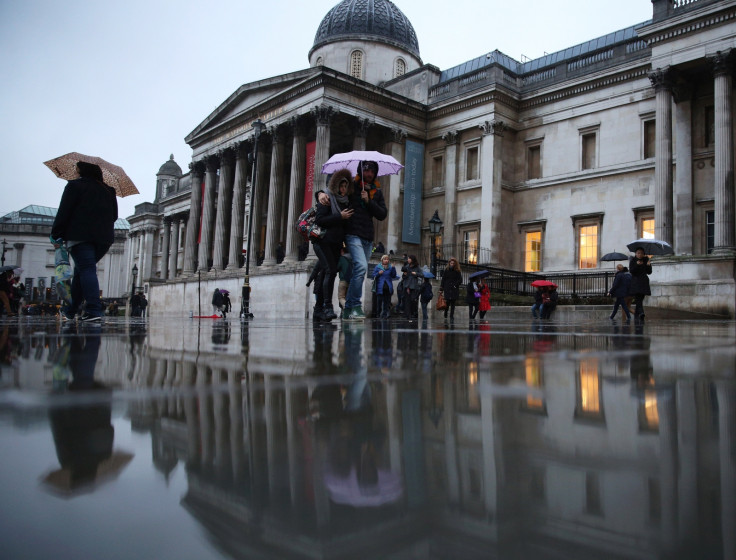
[(245, 308)]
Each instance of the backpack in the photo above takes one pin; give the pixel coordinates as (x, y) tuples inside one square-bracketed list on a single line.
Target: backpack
[(307, 228)]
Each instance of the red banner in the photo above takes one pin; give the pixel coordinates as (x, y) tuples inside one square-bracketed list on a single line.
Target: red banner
[(201, 211), (309, 180)]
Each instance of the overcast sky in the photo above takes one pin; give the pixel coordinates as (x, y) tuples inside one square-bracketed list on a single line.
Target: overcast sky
[(127, 81)]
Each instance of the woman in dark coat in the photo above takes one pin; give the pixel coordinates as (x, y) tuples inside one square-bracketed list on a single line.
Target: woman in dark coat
[(640, 270), (413, 277), (333, 218), (450, 285)]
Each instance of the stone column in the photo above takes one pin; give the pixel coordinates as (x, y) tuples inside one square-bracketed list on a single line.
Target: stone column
[(224, 210), (141, 260), (208, 214), (683, 200), (238, 206), (360, 132), (687, 456), (164, 261), (174, 248), (275, 194), (261, 188), (296, 190), (492, 471), (147, 270), (131, 260), (195, 209), (491, 156), (451, 142), (724, 242), (323, 115), (663, 216), (390, 231)]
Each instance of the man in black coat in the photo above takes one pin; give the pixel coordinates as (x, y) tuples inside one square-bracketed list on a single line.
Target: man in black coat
[(620, 289), (85, 221)]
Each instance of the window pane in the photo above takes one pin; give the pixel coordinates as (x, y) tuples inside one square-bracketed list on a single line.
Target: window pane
[(533, 252), (534, 170), (437, 171), (710, 231), (588, 151), (356, 64), (647, 228), (649, 137), (471, 171), (590, 402), (588, 247), (470, 246)]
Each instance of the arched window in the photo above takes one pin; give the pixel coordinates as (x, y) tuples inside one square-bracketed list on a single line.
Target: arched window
[(356, 64), (400, 68), (319, 62)]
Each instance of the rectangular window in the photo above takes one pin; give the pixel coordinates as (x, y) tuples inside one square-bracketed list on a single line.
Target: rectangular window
[(533, 251), (649, 138), (470, 246), (588, 246), (589, 404), (438, 172), (710, 231), (533, 376), (471, 164), (709, 134), (534, 162), (589, 150), (647, 228)]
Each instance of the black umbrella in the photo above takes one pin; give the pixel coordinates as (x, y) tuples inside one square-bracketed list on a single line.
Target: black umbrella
[(6, 268), (615, 257), (651, 247)]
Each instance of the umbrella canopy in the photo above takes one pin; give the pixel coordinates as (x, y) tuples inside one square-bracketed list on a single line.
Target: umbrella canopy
[(428, 274), (387, 165), (7, 268), (543, 284), (65, 167), (651, 247), (224, 291), (615, 257), (479, 274)]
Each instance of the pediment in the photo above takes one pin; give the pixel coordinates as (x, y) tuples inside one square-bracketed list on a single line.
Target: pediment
[(246, 100)]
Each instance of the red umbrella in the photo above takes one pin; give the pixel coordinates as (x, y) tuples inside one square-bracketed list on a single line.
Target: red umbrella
[(543, 284)]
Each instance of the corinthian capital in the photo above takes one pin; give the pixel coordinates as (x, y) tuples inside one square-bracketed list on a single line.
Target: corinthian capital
[(722, 62), (661, 78), (398, 135), (323, 114), (495, 127), (451, 137)]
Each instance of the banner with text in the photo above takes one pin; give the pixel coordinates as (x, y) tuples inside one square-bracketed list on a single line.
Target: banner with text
[(309, 180), (413, 174)]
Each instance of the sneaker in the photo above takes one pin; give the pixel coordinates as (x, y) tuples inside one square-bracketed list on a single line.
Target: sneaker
[(356, 313), (66, 317), (87, 318)]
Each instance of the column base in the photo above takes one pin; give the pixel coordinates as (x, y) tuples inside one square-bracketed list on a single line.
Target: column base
[(724, 251), (269, 262)]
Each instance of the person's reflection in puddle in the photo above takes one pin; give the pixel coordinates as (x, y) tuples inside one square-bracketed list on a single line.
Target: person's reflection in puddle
[(83, 432)]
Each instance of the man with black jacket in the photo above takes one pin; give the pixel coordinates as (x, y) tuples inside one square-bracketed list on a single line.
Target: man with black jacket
[(85, 221)]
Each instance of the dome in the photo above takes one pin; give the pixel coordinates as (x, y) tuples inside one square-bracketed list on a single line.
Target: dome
[(170, 168), (379, 20)]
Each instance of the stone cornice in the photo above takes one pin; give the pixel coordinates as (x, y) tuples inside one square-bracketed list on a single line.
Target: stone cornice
[(482, 98), (683, 24)]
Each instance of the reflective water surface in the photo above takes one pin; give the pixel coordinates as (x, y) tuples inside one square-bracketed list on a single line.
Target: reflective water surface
[(510, 438)]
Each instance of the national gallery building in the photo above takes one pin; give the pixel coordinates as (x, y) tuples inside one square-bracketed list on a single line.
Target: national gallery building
[(538, 166)]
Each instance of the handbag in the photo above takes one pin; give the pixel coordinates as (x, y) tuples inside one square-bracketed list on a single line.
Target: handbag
[(307, 228), (441, 303)]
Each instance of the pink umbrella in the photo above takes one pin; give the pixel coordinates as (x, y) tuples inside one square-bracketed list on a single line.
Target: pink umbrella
[(387, 165)]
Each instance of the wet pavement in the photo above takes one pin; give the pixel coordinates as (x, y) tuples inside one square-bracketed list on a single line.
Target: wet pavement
[(511, 438)]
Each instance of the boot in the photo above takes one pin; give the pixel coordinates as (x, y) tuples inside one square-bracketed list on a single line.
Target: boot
[(317, 314), (328, 313)]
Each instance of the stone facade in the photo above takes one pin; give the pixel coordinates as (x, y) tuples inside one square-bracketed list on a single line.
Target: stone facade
[(541, 166)]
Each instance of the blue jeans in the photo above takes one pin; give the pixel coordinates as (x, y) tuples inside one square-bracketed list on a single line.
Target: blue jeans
[(85, 286), (537, 310), (360, 252)]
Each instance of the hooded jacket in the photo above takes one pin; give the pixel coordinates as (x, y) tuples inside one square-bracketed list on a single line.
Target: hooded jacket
[(326, 216)]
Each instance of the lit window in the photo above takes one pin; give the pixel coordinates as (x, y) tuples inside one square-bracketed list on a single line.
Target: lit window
[(470, 246), (589, 404), (471, 164), (400, 68), (647, 228), (588, 246), (589, 150), (533, 251), (356, 64)]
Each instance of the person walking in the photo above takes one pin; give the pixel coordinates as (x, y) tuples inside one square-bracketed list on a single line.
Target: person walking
[(450, 285), (217, 302), (367, 203), (384, 275), (333, 219), (484, 305), (85, 222), (412, 286), (472, 298), (640, 269), (619, 290), (425, 296)]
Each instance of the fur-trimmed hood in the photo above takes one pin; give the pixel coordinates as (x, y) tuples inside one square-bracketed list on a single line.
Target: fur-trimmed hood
[(339, 176)]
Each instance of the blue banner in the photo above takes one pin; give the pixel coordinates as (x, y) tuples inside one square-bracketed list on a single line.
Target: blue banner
[(411, 229)]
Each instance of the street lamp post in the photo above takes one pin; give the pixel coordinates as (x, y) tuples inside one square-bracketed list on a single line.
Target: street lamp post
[(134, 273), (2, 260), (435, 225), (258, 128)]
